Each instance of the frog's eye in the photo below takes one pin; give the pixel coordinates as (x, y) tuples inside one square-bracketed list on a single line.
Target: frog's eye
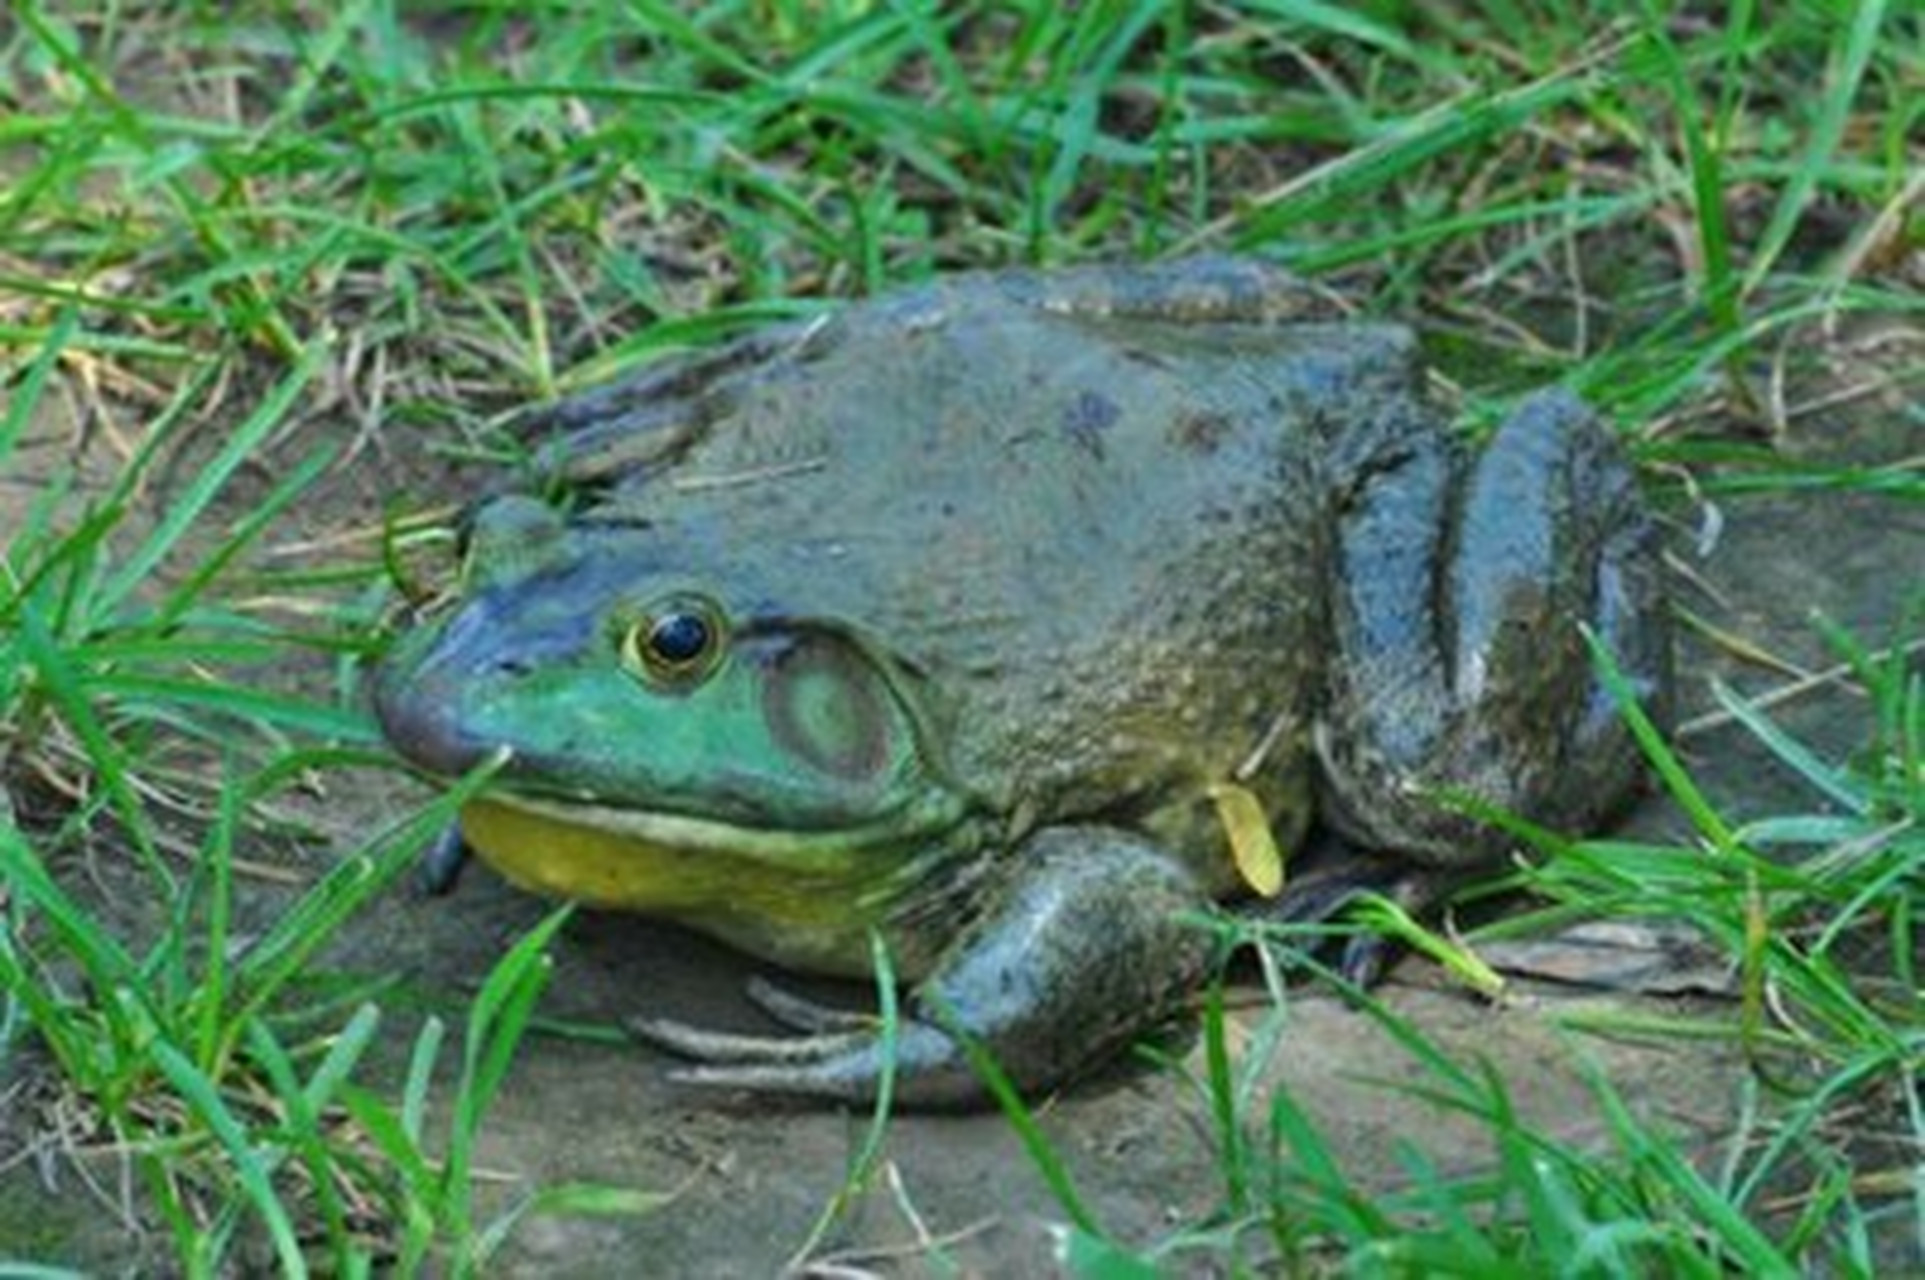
[(674, 644)]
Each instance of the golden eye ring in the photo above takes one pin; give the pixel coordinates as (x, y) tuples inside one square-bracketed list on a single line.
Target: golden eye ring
[(675, 644)]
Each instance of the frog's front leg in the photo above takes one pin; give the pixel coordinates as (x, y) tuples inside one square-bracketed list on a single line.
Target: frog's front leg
[(1079, 950), (1461, 665), (441, 865)]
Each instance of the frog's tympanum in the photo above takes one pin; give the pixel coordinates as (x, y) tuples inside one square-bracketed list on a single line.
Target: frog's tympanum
[(991, 617)]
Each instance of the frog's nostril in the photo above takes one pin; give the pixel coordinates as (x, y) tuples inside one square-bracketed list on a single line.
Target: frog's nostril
[(514, 668)]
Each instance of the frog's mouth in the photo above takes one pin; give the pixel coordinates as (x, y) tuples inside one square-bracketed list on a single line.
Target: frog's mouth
[(669, 862)]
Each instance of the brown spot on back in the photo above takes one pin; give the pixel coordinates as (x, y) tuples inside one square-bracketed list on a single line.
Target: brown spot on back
[(1200, 431)]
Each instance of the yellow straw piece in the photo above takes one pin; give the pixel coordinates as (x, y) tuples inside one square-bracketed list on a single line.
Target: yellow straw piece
[(1252, 844)]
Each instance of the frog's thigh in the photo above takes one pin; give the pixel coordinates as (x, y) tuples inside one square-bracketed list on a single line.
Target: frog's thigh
[(1460, 661), (1554, 532)]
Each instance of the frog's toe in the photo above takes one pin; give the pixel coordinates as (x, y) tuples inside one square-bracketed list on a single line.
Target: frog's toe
[(799, 1013), (698, 1044), (847, 1066)]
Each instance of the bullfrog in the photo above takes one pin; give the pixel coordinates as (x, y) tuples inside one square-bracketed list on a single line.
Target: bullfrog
[(1003, 623)]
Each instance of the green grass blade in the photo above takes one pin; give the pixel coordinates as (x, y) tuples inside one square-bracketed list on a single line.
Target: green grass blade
[(497, 1020), (304, 1105), (192, 505), (291, 486), (500, 1014), (1750, 1249), (415, 1204), (25, 397), (1836, 783), (214, 871), (1055, 1172), (1317, 1176), (1664, 762), (1719, 286), (201, 1094), (243, 704), (1400, 149), (1232, 1150), (62, 682), (568, 1200), (867, 1156), (1849, 66), (284, 949), (420, 1078)]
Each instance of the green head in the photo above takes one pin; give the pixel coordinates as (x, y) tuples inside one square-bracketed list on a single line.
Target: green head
[(672, 731)]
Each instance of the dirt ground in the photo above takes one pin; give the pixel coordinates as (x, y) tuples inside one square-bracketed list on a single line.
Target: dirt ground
[(959, 1195)]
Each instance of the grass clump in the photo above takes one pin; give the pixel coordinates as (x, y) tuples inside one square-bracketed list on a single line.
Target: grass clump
[(208, 1053), (1812, 912)]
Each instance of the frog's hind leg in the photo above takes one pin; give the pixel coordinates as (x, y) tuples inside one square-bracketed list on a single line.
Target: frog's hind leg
[(1461, 667), (1078, 950)]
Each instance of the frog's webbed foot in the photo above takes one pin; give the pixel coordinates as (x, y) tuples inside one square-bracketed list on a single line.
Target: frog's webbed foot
[(1078, 951)]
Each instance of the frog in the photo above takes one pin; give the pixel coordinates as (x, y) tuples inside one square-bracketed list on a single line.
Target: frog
[(997, 634)]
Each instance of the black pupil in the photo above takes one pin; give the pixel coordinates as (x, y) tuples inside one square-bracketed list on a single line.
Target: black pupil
[(679, 637)]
